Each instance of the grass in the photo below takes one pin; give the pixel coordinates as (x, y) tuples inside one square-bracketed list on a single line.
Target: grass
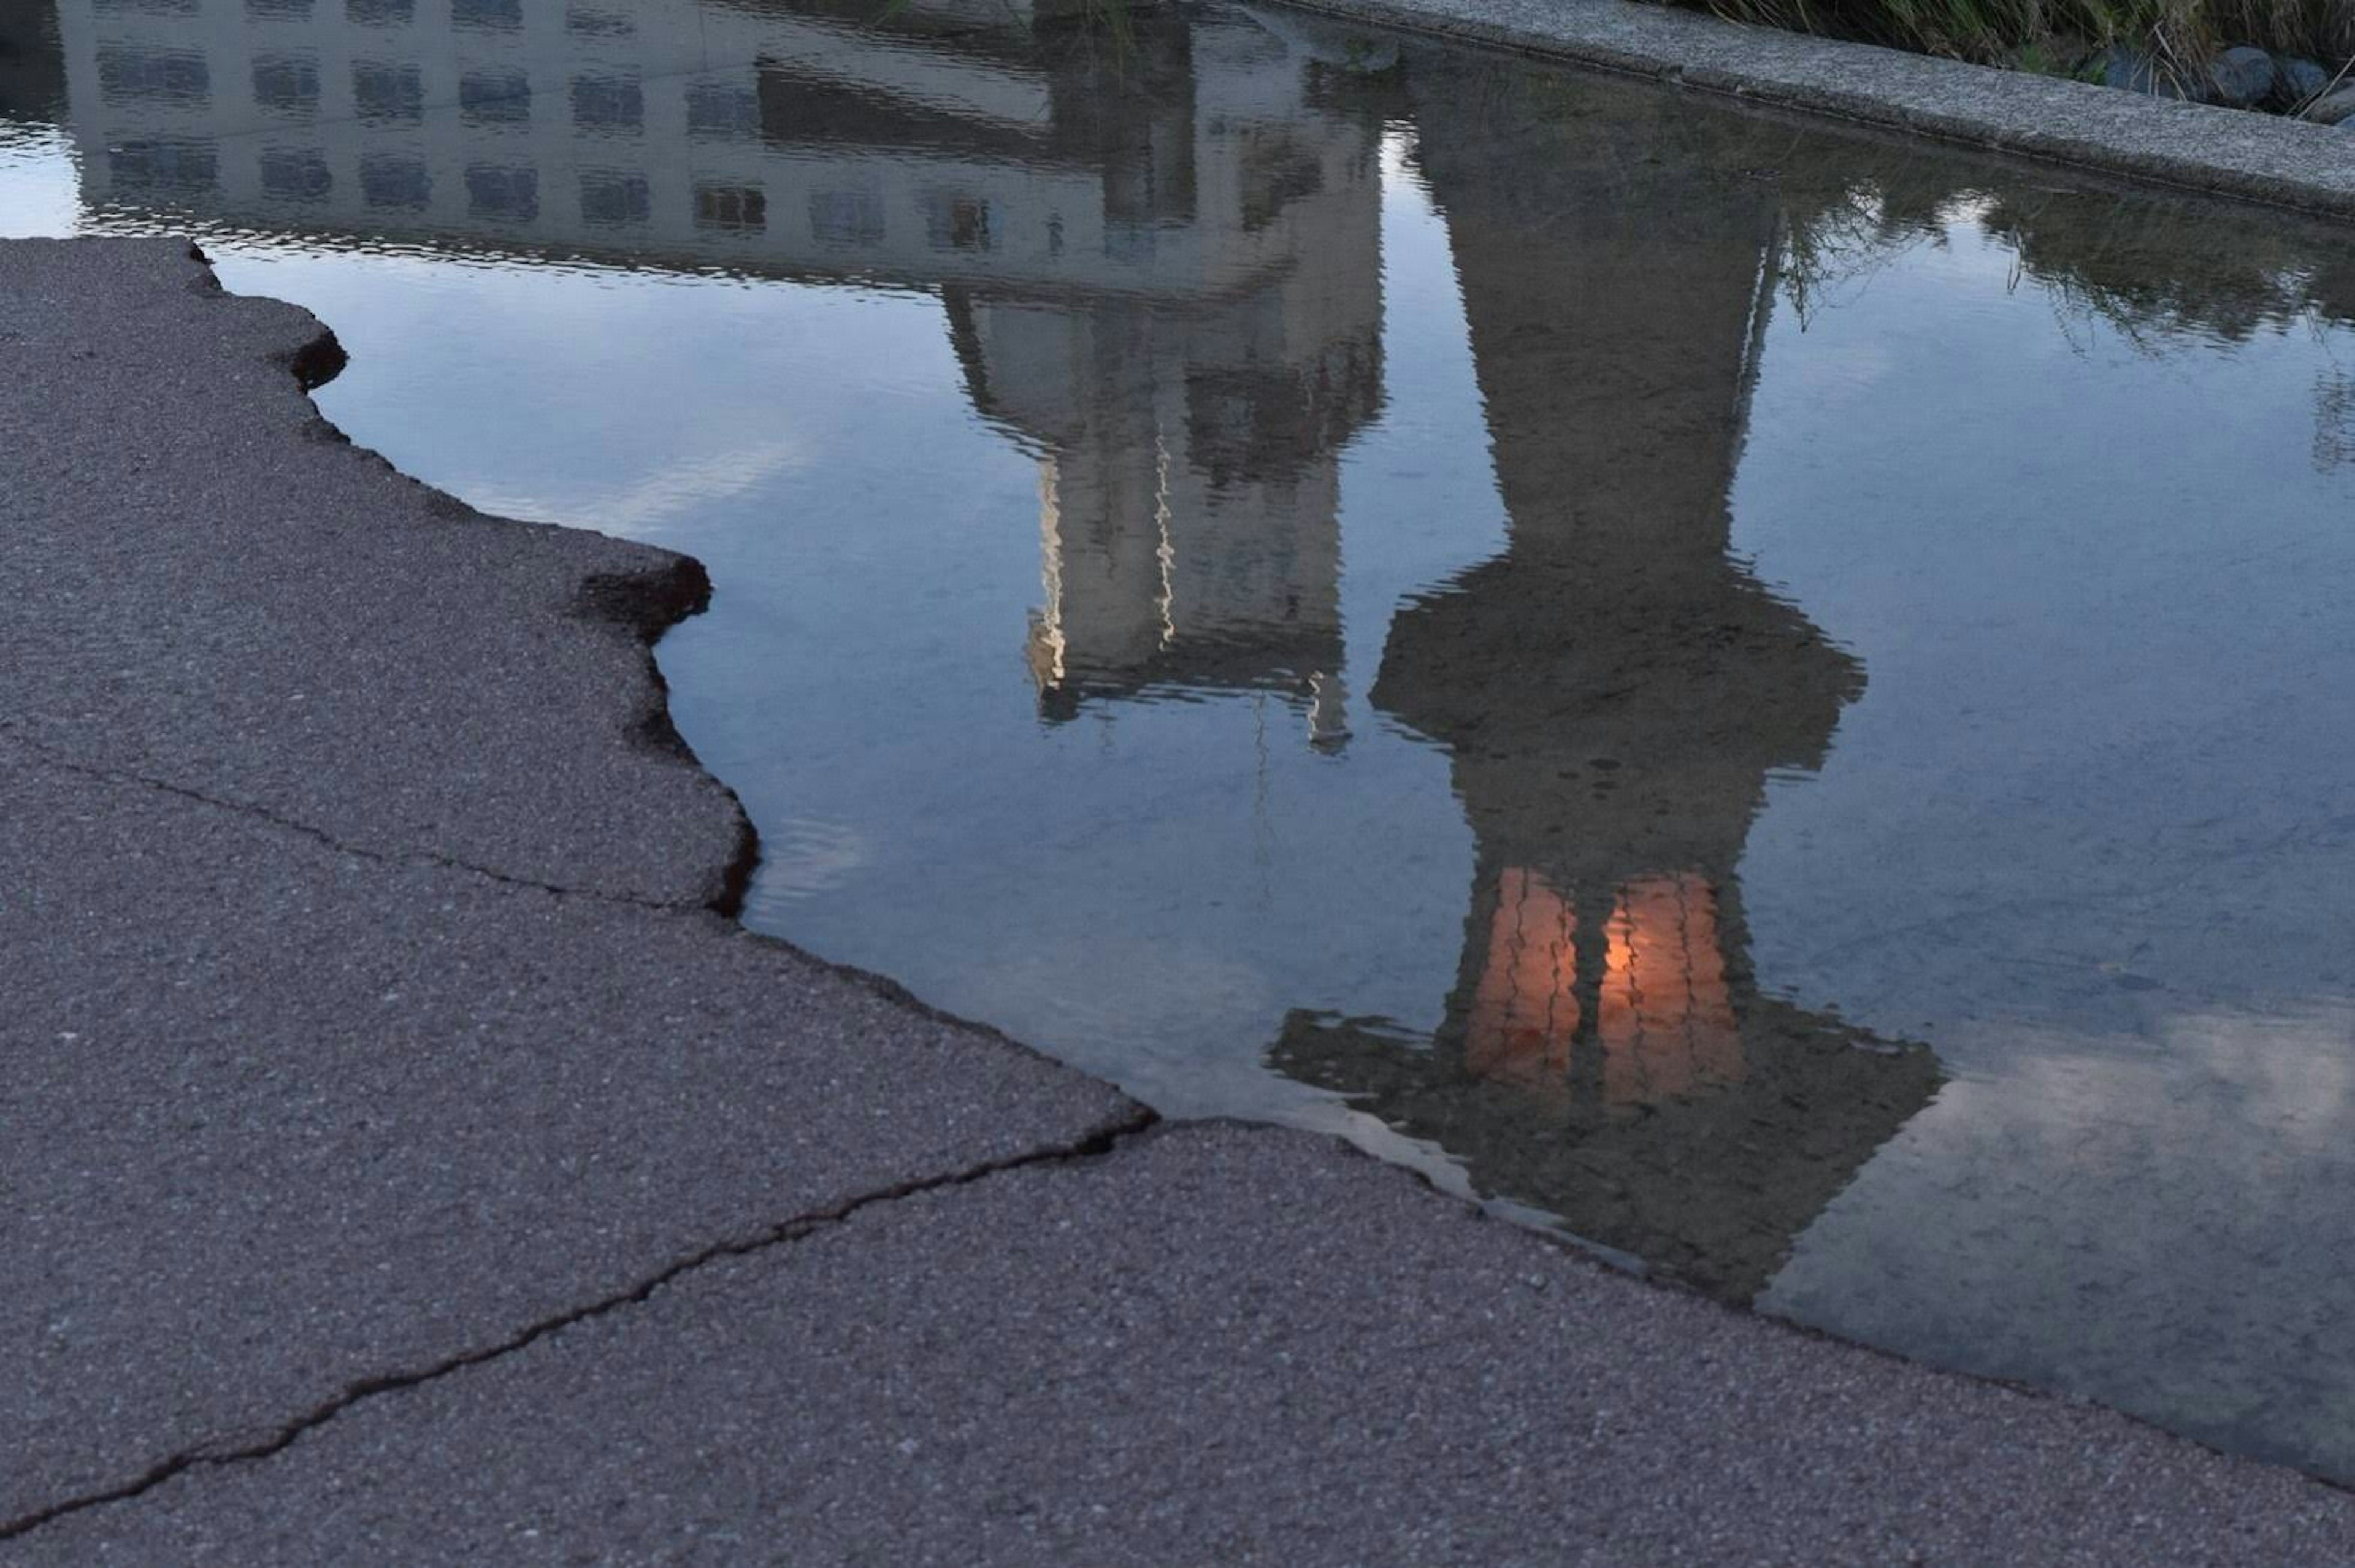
[(2057, 37)]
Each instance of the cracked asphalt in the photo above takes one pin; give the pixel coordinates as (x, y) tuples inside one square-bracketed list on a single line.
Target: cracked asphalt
[(406, 1159)]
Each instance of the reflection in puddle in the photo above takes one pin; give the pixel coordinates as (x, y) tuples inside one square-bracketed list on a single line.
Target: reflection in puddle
[(1663, 1019), (1564, 631), (1626, 1084)]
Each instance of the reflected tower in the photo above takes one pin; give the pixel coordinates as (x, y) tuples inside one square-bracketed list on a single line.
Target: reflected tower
[(1614, 690)]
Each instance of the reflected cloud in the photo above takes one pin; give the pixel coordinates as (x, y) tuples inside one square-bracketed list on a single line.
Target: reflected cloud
[(2157, 1224), (802, 857), (657, 500)]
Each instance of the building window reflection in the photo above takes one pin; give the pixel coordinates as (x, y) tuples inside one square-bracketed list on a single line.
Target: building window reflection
[(388, 92), (295, 173), (1667, 1018), (286, 84), (495, 97), (956, 222), (591, 22), (152, 8), (608, 103), (1662, 1023), (394, 183), (1525, 1010), (847, 217), (716, 110), (379, 13), (512, 194), (279, 10), (165, 164), (612, 199), (129, 75), (744, 208), (504, 15)]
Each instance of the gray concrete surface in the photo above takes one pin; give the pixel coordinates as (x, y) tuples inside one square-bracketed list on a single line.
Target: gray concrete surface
[(292, 1102), (392, 1175), (1219, 1345), (2257, 157), (209, 586)]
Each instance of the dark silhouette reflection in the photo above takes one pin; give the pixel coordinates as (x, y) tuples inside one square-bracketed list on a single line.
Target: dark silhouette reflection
[(1614, 691), (1159, 251), (32, 70)]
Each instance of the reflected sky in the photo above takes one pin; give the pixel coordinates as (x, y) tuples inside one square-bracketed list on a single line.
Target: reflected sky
[(1772, 698)]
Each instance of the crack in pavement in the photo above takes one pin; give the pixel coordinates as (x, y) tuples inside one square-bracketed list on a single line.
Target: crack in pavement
[(48, 755), (783, 1232)]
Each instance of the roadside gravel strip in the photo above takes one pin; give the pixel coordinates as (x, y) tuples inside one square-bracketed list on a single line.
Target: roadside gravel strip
[(404, 1162), (2209, 151)]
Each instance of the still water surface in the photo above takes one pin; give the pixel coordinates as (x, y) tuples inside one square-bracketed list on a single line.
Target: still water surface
[(1778, 699)]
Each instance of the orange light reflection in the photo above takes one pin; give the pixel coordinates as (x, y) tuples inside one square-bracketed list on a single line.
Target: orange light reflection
[(1665, 1023)]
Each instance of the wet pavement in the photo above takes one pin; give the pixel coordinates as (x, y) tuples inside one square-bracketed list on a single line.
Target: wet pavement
[(1765, 697)]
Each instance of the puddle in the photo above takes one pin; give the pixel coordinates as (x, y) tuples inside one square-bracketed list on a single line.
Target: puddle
[(1778, 700)]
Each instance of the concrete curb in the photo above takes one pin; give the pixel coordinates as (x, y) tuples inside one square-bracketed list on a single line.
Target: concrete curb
[(2229, 152)]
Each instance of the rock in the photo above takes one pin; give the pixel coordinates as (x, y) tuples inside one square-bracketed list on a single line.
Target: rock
[(2295, 80), (2120, 67), (2240, 77), (2132, 70), (2332, 107)]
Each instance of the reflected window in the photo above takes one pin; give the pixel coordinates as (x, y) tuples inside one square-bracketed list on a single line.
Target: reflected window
[(155, 8), (614, 198), (847, 217), (607, 102), (504, 193), (166, 164), (1525, 1012), (295, 173), (495, 97), (737, 207), (1663, 1010), (129, 75), (388, 92), (956, 222), (379, 13), (395, 183), (276, 10), (714, 109), (287, 84), (1666, 1014), (591, 22), (501, 14)]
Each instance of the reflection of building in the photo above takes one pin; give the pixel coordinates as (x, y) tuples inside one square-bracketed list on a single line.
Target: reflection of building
[(1190, 480), (1615, 690), (1161, 261)]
